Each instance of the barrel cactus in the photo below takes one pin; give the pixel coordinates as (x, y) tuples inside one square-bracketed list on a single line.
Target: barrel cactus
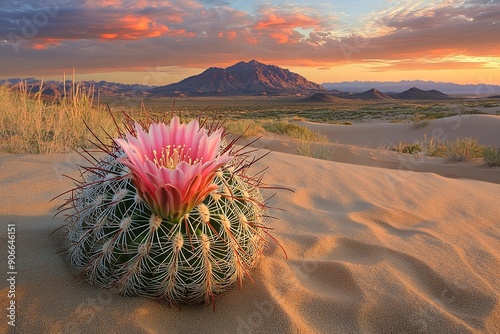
[(170, 211)]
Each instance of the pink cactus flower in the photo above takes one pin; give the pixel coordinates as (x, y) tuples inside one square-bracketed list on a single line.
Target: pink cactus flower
[(173, 165)]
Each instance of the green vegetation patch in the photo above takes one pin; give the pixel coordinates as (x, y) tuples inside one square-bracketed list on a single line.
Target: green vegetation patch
[(491, 156), (295, 131)]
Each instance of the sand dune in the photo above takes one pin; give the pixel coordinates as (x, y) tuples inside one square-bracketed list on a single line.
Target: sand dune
[(485, 128), (368, 144), (370, 250)]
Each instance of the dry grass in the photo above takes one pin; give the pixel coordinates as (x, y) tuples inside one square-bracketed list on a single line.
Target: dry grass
[(403, 147), (417, 124), (30, 125), (434, 148), (295, 131), (311, 144), (244, 128), (464, 149), (315, 150)]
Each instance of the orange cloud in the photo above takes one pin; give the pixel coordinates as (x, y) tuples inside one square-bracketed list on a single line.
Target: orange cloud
[(281, 27), (46, 43), (109, 36), (140, 23), (39, 47), (181, 32), (133, 27), (428, 64), (281, 37), (230, 35), (248, 37), (271, 21), (276, 21)]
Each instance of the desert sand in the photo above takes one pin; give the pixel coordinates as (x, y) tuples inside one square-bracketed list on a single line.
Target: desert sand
[(373, 247), (485, 128)]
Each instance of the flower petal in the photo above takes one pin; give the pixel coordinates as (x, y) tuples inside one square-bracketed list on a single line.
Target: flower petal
[(172, 183)]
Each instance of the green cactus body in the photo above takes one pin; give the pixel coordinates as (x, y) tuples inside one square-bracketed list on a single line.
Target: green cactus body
[(116, 240)]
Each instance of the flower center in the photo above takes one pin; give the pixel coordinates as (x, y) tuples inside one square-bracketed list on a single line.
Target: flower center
[(170, 156)]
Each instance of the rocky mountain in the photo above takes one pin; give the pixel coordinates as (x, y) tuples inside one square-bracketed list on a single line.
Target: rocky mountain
[(243, 78)]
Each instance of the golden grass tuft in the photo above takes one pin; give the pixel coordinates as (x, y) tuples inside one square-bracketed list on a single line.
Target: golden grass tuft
[(464, 149), (311, 144), (28, 124), (244, 128)]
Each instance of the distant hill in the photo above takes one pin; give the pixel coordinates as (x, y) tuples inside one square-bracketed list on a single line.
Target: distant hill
[(418, 94), (323, 97), (243, 78), (337, 96), (400, 86), (371, 94)]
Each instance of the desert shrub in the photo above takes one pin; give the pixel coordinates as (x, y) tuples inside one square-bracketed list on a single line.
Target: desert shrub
[(314, 150), (340, 122), (464, 149), (421, 124), (29, 124), (420, 121), (398, 121), (244, 128), (403, 147), (433, 148), (491, 156), (295, 131)]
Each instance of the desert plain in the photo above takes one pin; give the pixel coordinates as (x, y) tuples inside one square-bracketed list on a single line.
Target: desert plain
[(376, 241)]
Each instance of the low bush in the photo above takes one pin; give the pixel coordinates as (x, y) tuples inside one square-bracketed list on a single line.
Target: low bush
[(491, 156), (406, 148), (244, 128), (314, 150), (464, 149)]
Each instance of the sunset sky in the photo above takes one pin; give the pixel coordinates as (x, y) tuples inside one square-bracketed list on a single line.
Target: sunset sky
[(161, 42)]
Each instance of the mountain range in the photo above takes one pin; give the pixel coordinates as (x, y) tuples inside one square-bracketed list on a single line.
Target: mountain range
[(400, 86), (254, 78), (56, 88), (374, 94)]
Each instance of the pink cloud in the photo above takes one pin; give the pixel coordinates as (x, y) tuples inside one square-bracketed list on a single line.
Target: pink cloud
[(229, 35), (280, 27)]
